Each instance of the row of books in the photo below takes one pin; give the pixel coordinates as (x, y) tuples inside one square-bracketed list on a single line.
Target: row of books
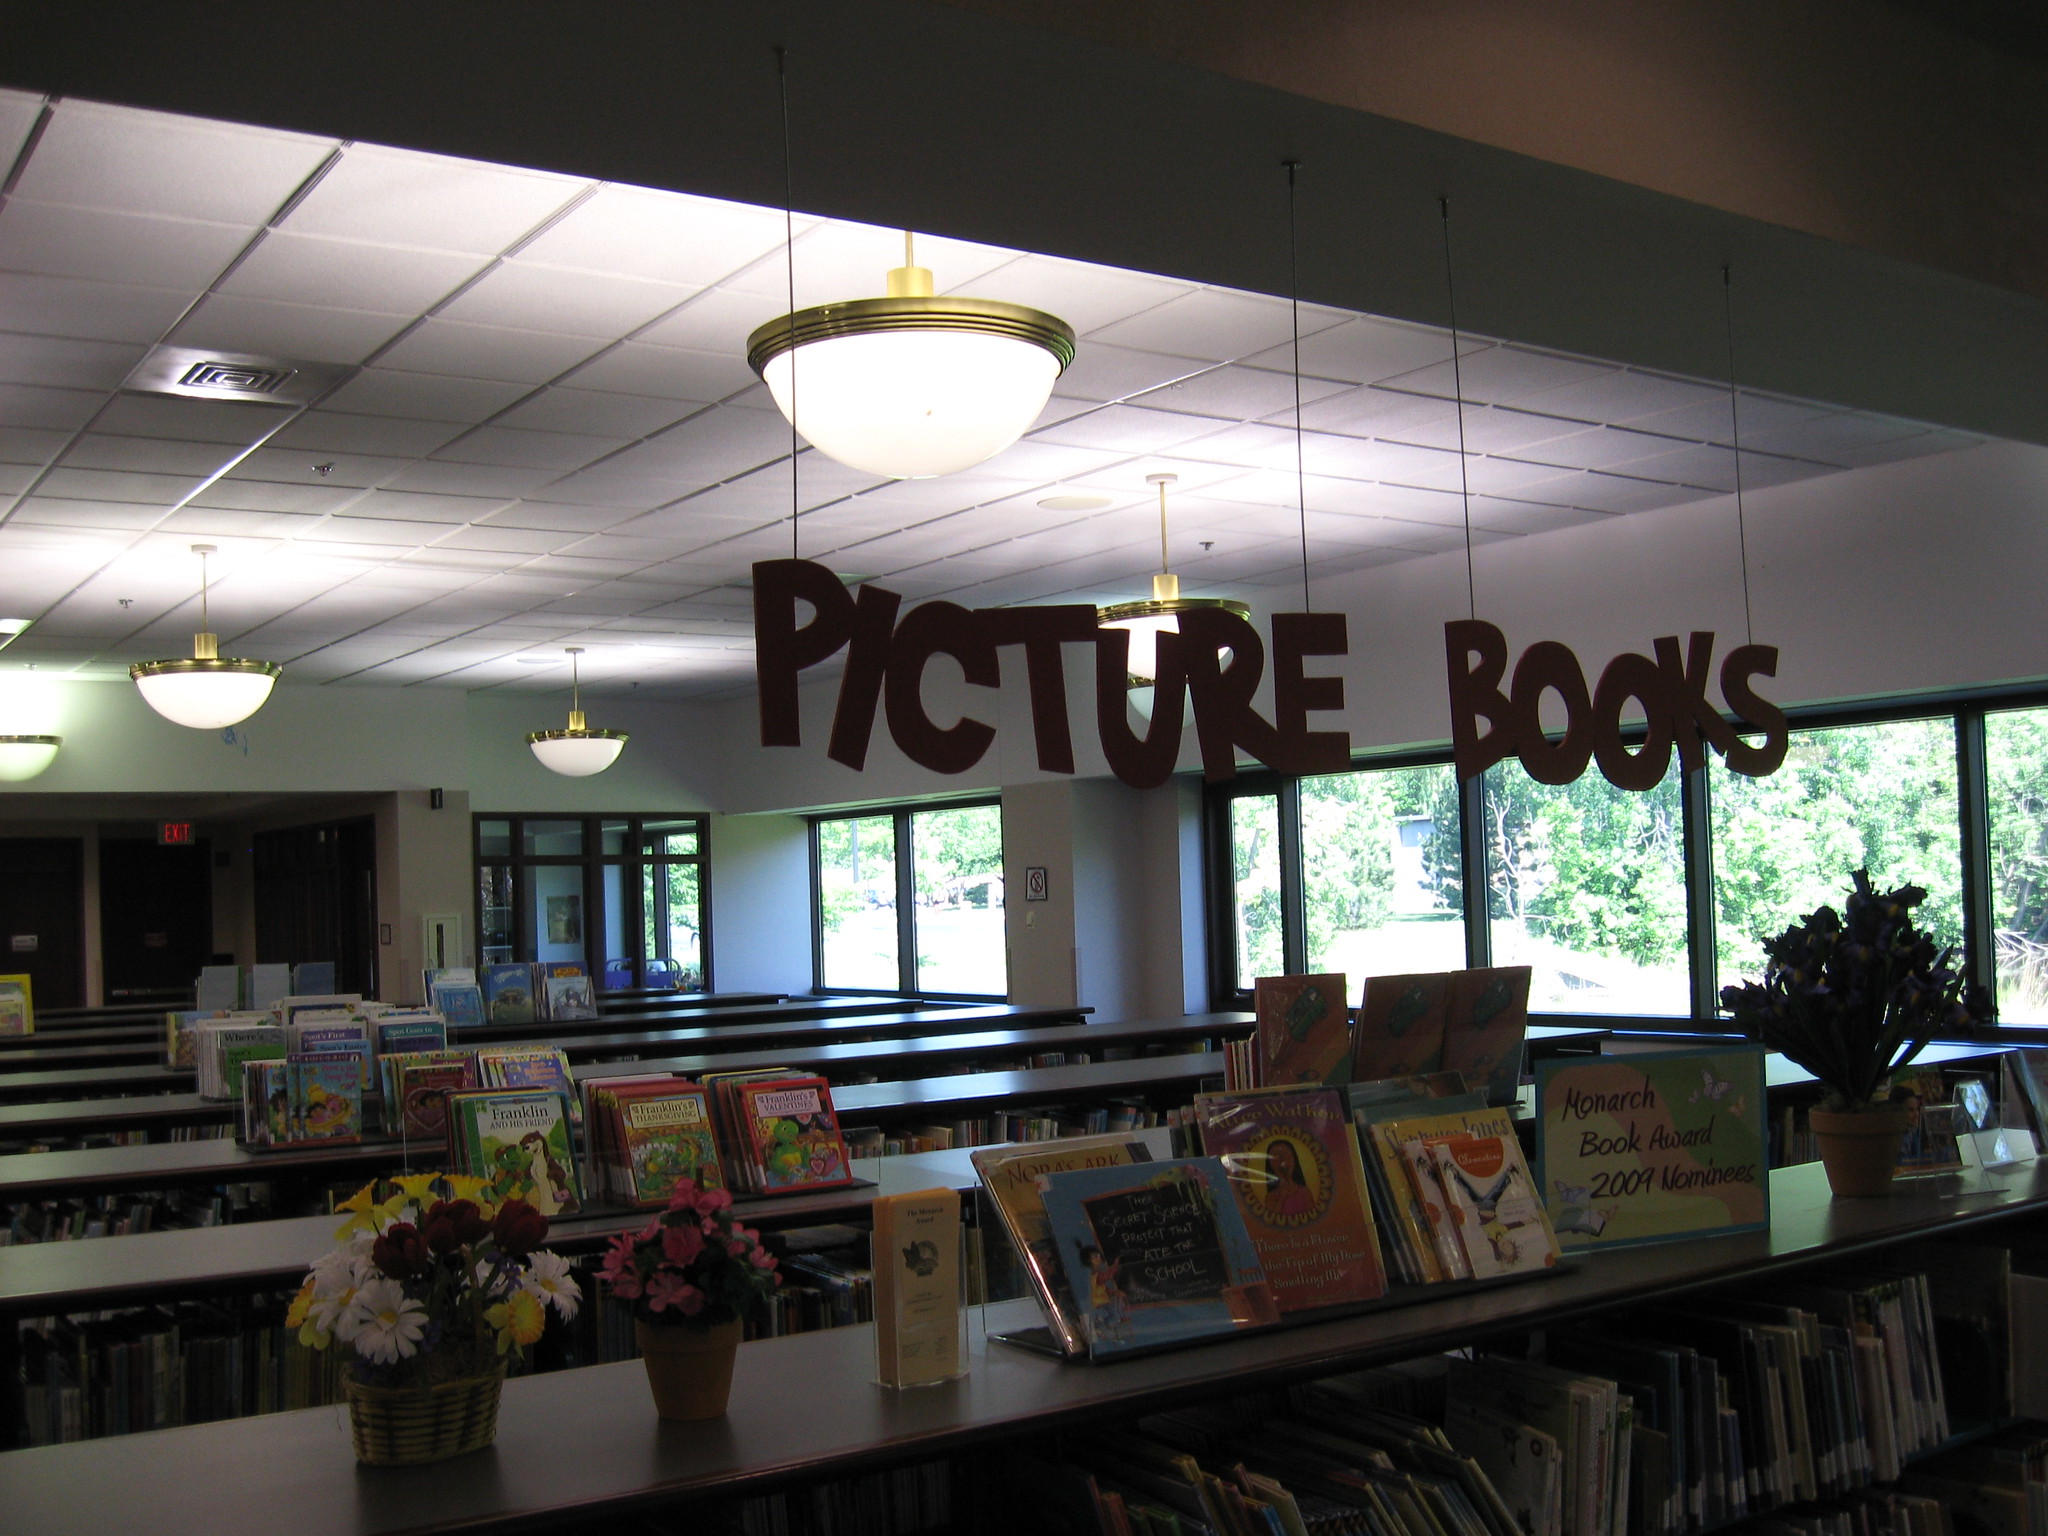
[(119, 1215), (1006, 1127), (765, 1131), (511, 992), (126, 1136)]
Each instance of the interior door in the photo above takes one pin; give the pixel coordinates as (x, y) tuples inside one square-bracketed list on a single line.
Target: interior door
[(42, 917), (156, 916)]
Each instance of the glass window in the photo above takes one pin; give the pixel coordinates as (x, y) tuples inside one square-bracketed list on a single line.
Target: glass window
[(554, 896), (494, 839), (1381, 885), (555, 839), (494, 902), (613, 838), (670, 912), (1255, 887), (2016, 763), (1585, 884), (857, 903), (669, 839), (957, 868), (1878, 797)]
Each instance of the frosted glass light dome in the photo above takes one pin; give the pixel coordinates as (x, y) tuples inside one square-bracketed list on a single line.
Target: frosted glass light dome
[(23, 757), (912, 385), (205, 693), (577, 754)]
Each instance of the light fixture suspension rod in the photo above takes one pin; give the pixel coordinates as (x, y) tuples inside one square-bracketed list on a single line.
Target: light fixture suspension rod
[(909, 249), (789, 275), (1294, 331), (205, 613), (1458, 391), (1164, 567), (1735, 433)]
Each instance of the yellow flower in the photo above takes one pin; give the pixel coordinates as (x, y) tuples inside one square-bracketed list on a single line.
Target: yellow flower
[(519, 1319), (363, 1208), (301, 1304), (417, 1187), (467, 1186)]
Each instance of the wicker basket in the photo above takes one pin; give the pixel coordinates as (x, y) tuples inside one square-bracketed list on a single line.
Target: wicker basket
[(402, 1426)]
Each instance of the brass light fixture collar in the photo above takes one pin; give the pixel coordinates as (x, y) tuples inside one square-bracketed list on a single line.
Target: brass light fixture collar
[(31, 741), (579, 728), (910, 312)]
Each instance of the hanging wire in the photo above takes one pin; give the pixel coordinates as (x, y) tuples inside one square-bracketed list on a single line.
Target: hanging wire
[(1458, 390), (789, 274), (1294, 321), (1735, 432)]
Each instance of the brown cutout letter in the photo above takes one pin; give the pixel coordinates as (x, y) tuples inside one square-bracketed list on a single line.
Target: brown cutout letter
[(1632, 675), (860, 685), (1296, 635), (1041, 631), (1476, 693), (1224, 717), (1741, 664), (781, 650), (1550, 664), (1691, 715), (1143, 762), (927, 630)]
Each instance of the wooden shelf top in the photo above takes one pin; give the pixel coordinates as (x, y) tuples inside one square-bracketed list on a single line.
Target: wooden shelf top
[(583, 1443)]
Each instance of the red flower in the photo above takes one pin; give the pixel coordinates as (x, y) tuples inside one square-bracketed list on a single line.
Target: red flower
[(710, 1200), (452, 1223), (619, 1270), (679, 1245), (400, 1252), (519, 1228), (667, 1288), (763, 1259)]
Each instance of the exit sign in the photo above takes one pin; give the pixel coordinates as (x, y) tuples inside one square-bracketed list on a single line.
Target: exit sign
[(173, 833)]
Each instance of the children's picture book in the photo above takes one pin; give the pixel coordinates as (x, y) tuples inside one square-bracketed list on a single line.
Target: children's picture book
[(519, 1141), (424, 1084), (1931, 1144), (1494, 1207), (445, 976), (1304, 1030), (1485, 1025), (665, 1139), (792, 1134), (508, 993), (460, 1003), (568, 997), (1156, 1254), (1010, 1176), (326, 1097), (17, 1006), (409, 1032), (1401, 1025), (1292, 1159)]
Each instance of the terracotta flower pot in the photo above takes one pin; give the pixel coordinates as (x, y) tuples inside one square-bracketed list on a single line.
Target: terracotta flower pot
[(689, 1370), (1860, 1148)]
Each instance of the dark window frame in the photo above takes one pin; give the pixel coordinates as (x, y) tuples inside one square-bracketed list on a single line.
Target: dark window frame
[(592, 860), (901, 815)]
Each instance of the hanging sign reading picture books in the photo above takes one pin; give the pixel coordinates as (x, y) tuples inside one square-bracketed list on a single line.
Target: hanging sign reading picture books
[(1644, 1149)]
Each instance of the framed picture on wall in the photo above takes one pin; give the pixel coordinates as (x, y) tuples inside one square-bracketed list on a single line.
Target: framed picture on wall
[(565, 919)]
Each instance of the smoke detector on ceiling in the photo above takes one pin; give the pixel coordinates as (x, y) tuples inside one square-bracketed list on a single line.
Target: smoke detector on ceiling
[(204, 375)]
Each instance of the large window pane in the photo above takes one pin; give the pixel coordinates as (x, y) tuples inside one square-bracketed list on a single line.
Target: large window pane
[(495, 942), (669, 839), (670, 915), (1585, 884), (554, 895), (1381, 888), (1877, 797), (2016, 760), (857, 902), (957, 866), (553, 839), (1255, 887)]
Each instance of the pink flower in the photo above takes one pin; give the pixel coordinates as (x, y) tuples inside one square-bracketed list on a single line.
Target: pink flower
[(762, 1259), (737, 1248), (618, 1269), (679, 1245), (710, 1200), (668, 1288)]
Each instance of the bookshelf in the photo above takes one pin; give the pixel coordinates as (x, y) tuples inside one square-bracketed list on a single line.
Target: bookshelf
[(583, 1445)]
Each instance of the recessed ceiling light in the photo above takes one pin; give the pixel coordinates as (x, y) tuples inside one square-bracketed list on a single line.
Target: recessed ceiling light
[(1075, 503), (14, 626)]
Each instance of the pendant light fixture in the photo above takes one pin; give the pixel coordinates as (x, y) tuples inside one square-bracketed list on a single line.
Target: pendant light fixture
[(23, 757), (912, 385), (579, 751), (205, 690), (1146, 620)]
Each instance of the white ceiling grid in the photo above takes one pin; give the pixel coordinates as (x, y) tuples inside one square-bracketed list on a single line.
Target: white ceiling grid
[(548, 433)]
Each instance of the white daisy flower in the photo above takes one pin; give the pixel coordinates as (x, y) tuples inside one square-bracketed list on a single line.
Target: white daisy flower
[(549, 1281), (384, 1323)]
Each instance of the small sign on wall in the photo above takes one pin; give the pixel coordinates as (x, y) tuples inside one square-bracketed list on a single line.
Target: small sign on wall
[(23, 943), (1034, 882), (174, 834)]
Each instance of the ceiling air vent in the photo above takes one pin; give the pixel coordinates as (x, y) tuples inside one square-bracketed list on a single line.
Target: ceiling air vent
[(198, 375)]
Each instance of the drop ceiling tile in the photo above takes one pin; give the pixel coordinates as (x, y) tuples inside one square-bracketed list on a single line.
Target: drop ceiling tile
[(1128, 429), (1603, 492), (31, 445), (527, 449), (66, 364), (1709, 420), (326, 430), (633, 490), (1603, 448), (381, 391), (1820, 437), (559, 516), (349, 274), (419, 506), (1086, 297), (717, 320), (231, 323), (317, 466), (445, 554), (399, 197), (519, 541), (837, 261), (490, 352), (1365, 350), (1521, 517), (595, 412), (1918, 445), (98, 156), (62, 306), (1101, 372), (713, 445), (1370, 411), (86, 512), (663, 236), (65, 410), (119, 485), (198, 522), (102, 246), (155, 455), (275, 496), (16, 478), (1511, 477), (1487, 429), (1504, 373), (1627, 395), (1240, 394), (669, 373), (497, 481), (1213, 324), (205, 421), (1761, 470), (551, 299)]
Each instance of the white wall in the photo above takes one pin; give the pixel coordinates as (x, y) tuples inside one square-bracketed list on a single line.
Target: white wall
[(760, 903)]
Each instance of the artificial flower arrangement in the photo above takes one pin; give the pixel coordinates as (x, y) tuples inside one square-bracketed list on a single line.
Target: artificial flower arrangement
[(693, 1266), (1853, 996), (429, 1290)]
